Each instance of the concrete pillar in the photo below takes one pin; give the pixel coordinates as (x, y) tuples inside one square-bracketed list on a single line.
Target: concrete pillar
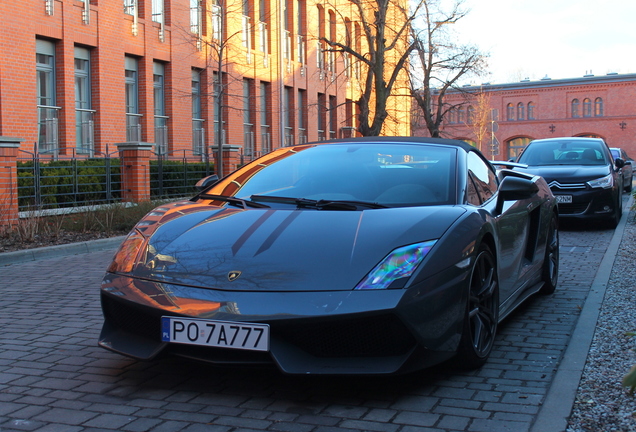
[(9, 147)]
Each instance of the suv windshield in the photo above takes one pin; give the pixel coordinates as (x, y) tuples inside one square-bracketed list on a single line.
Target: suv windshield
[(357, 175), (564, 152)]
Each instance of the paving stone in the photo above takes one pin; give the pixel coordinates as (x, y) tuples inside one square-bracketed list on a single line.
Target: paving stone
[(58, 379)]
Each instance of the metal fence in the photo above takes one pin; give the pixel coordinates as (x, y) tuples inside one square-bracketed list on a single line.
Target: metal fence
[(175, 173), (47, 181)]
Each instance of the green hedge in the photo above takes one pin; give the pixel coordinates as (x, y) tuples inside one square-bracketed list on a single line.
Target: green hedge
[(68, 183), (178, 179)]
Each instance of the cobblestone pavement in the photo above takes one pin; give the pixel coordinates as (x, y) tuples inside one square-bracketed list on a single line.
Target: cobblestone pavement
[(53, 377)]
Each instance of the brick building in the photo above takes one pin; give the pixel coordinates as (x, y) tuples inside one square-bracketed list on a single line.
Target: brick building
[(602, 106), (79, 76)]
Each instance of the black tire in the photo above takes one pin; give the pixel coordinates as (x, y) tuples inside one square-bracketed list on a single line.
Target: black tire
[(481, 314), (628, 188), (618, 211), (550, 272)]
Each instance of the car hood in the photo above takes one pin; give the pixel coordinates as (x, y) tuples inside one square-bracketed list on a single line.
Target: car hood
[(282, 249), (569, 173)]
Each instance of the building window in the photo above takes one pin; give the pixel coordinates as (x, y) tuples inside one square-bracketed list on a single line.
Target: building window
[(195, 17), (301, 32), (248, 123), (247, 33), (460, 115), (130, 7), (349, 129), (322, 116), (521, 111), (133, 118), (288, 115), (47, 111), (84, 131), (217, 22), (302, 116), (161, 120), (470, 117), (198, 130), (218, 96), (263, 25), (510, 112), (266, 136), (587, 107), (516, 146), (452, 116), (333, 117), (598, 107), (530, 110), (157, 11), (575, 108)]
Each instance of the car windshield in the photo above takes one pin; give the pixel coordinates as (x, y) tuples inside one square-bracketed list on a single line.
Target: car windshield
[(564, 152), (357, 175)]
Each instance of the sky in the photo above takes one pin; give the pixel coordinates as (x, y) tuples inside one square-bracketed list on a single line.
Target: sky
[(554, 38)]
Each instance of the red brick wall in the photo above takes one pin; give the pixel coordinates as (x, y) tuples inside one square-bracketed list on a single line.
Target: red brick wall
[(552, 113)]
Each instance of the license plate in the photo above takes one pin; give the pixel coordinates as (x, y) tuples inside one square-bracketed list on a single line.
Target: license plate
[(565, 199), (224, 334)]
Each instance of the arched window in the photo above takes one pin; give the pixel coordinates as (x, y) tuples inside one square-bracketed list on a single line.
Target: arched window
[(510, 112), (598, 107), (587, 107), (452, 116), (470, 118), (530, 110), (516, 145), (521, 111), (575, 108), (460, 115)]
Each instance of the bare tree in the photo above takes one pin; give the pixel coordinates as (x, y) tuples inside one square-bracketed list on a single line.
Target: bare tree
[(220, 49), (385, 27), (439, 62), (480, 119)]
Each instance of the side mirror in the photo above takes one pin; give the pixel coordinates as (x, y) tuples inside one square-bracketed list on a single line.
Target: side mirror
[(515, 188), (619, 162), (206, 182)]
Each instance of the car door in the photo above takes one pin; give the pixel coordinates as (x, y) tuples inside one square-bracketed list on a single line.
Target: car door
[(512, 225)]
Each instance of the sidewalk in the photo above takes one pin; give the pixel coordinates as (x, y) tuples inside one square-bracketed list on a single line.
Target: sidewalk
[(557, 406)]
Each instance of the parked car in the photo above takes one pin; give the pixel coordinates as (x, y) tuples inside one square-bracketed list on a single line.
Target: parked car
[(582, 173), (627, 170), (355, 256)]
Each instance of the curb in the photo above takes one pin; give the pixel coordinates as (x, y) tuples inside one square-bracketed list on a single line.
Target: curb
[(556, 408), (36, 254)]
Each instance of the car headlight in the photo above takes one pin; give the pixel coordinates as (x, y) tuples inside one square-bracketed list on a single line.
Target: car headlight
[(395, 269), (126, 256), (603, 182)]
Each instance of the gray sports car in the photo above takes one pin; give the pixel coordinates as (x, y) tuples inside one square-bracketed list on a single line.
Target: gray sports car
[(356, 256)]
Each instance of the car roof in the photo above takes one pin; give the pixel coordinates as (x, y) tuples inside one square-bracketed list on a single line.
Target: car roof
[(399, 140), (570, 139)]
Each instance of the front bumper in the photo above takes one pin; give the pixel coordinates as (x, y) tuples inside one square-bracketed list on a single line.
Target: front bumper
[(332, 332), (589, 203)]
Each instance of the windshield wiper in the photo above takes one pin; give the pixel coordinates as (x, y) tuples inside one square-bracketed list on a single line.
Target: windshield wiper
[(234, 201), (318, 204)]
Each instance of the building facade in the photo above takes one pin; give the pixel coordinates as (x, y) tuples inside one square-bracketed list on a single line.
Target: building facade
[(502, 119), (78, 77)]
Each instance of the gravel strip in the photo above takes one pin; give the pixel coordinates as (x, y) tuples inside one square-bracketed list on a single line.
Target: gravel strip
[(602, 404)]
